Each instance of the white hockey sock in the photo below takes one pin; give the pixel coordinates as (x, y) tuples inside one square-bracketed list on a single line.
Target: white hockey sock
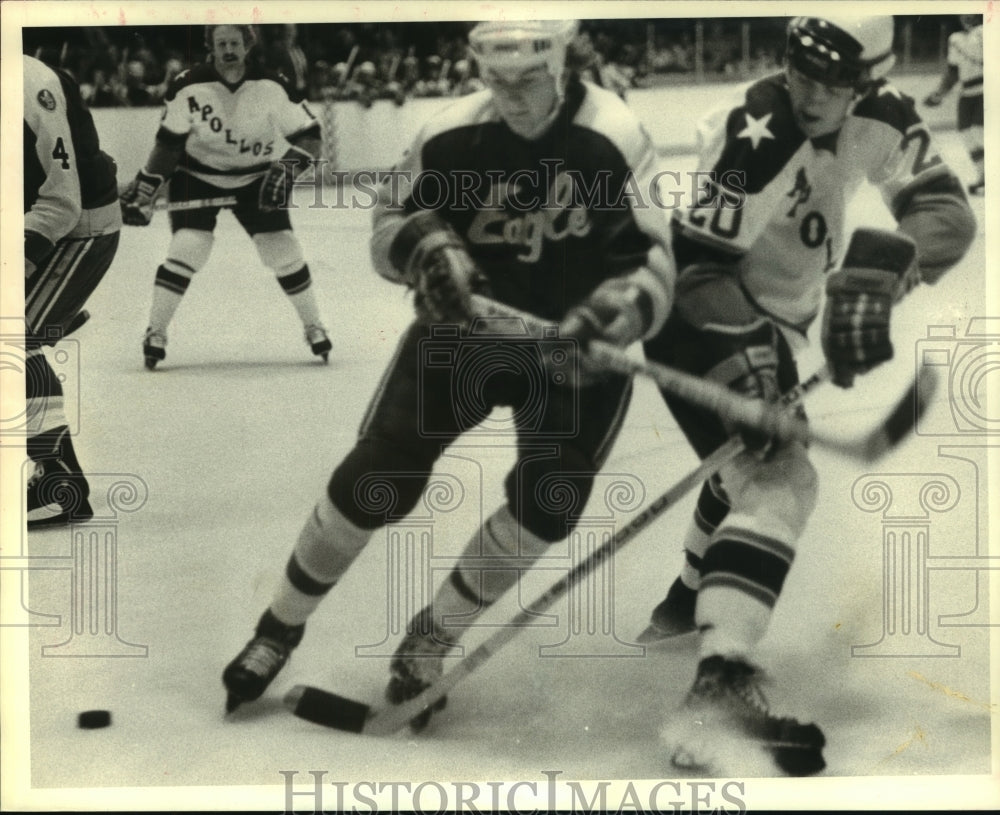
[(731, 622), (298, 286), (327, 546), (489, 566), (171, 284), (695, 542)]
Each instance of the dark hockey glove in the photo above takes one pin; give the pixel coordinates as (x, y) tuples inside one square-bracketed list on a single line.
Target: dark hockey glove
[(137, 200), (855, 331), (617, 311), (276, 187), (432, 258)]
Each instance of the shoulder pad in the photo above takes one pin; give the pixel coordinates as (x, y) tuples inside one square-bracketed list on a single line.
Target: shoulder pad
[(761, 135), (474, 109), (192, 76), (887, 104), (605, 113)]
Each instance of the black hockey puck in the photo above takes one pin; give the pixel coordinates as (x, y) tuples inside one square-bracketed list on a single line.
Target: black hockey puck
[(93, 719)]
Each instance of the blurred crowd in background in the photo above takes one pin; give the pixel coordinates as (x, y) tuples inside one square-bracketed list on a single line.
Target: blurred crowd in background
[(396, 61)]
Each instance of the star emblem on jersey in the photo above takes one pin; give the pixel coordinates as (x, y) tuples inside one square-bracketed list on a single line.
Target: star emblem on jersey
[(756, 130), (46, 99)]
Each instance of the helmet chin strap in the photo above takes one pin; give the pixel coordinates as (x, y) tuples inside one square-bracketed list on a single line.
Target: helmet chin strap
[(549, 118)]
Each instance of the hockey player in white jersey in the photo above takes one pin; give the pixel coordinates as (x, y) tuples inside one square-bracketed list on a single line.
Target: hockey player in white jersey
[(222, 128), (785, 159), (965, 68)]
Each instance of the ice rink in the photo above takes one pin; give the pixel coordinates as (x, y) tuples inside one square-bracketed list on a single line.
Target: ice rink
[(228, 444)]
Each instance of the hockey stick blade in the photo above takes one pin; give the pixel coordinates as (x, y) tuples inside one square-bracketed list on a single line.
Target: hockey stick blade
[(328, 709), (331, 710), (893, 429)]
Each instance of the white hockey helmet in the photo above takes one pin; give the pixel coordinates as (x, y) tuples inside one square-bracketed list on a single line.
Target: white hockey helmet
[(523, 44), (841, 50)]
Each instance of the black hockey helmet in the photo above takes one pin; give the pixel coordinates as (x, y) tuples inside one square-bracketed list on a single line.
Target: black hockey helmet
[(850, 52)]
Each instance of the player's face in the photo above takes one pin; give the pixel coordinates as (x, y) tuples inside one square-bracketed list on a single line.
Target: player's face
[(228, 46), (818, 109), (525, 98)]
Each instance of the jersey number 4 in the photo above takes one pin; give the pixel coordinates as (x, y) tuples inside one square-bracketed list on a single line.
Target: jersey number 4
[(59, 152)]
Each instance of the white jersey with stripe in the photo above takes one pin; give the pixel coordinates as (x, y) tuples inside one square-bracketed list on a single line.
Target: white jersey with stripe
[(231, 133), (965, 52), (773, 202)]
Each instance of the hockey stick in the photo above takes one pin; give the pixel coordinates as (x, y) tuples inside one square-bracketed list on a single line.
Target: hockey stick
[(161, 204), (755, 414), (331, 710)]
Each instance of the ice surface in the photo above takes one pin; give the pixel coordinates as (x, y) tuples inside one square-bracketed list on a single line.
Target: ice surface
[(234, 437)]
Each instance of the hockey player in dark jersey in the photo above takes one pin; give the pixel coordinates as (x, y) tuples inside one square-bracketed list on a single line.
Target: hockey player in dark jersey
[(71, 228), (751, 277), (220, 135), (489, 199)]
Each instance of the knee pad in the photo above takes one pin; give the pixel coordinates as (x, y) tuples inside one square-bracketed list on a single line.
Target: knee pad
[(279, 251), (189, 251), (773, 498), (377, 482), (547, 493)]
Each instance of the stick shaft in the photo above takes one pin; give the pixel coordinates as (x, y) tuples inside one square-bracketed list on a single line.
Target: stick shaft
[(162, 204), (389, 720)]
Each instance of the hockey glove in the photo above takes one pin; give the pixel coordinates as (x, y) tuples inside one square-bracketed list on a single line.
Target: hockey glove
[(855, 332), (276, 188), (617, 311), (137, 200), (432, 258)]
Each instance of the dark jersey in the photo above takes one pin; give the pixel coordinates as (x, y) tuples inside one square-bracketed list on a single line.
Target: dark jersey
[(546, 220), (70, 185)]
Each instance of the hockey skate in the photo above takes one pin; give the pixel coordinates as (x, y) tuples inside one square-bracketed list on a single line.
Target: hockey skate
[(418, 664), (255, 667), (673, 617), (318, 341), (154, 347), (727, 716), (57, 489)]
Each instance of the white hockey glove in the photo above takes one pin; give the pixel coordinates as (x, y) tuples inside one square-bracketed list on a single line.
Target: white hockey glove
[(432, 258), (137, 200), (617, 311), (276, 188), (855, 331)]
